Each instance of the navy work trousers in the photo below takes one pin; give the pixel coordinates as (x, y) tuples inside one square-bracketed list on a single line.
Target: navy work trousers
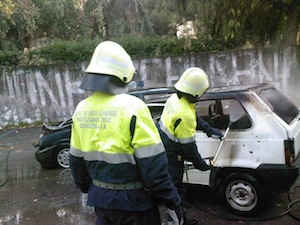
[(121, 217)]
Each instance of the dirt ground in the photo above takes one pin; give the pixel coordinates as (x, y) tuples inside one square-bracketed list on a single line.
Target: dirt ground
[(31, 195)]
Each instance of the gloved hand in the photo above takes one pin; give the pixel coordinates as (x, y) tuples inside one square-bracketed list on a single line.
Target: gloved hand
[(176, 216), (208, 162), (210, 131), (84, 199), (215, 133)]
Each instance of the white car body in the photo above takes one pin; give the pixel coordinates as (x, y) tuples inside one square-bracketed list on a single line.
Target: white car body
[(262, 143), (257, 156)]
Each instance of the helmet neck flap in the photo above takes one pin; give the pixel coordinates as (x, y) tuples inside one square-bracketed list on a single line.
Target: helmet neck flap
[(104, 83)]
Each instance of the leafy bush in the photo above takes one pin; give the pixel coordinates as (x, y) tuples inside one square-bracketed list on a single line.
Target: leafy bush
[(10, 58), (59, 51)]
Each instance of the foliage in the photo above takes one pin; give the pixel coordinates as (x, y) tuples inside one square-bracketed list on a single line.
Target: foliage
[(10, 58), (24, 19), (126, 17), (6, 10), (146, 27), (163, 15), (60, 19), (59, 52)]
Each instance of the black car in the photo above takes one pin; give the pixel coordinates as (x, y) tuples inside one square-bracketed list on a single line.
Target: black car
[(54, 142)]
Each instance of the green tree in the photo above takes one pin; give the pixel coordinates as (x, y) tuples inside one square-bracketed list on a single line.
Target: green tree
[(60, 19), (94, 18), (291, 19), (24, 20), (6, 10), (163, 16), (126, 17), (258, 21)]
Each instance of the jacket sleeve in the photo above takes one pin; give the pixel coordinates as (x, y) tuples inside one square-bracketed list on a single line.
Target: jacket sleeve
[(190, 153), (186, 127), (151, 160), (210, 131), (157, 179), (77, 164), (80, 173)]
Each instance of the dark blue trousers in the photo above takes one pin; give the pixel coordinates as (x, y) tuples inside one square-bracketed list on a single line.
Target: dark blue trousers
[(120, 217)]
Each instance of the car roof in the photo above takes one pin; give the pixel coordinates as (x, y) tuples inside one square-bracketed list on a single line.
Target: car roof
[(240, 88), (160, 94), (153, 94)]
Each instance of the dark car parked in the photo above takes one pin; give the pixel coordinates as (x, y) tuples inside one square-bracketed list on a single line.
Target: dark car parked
[(54, 144)]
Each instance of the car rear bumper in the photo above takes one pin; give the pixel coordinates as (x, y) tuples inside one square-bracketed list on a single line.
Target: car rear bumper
[(279, 178)]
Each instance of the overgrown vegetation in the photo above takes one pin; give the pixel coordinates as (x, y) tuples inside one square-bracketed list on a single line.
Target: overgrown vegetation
[(35, 32), (71, 51)]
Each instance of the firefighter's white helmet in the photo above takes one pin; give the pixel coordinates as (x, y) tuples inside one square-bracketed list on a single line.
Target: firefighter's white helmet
[(194, 81), (110, 69)]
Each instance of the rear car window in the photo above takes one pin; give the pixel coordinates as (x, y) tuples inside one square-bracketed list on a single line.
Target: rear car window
[(280, 104)]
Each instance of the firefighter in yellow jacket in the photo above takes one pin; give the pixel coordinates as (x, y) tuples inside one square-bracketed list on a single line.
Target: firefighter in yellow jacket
[(117, 158), (177, 126)]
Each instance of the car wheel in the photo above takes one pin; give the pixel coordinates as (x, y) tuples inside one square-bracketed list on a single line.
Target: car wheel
[(243, 194), (62, 157)]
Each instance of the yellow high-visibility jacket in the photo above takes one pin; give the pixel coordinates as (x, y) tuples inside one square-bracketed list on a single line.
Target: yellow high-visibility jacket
[(114, 140), (178, 129)]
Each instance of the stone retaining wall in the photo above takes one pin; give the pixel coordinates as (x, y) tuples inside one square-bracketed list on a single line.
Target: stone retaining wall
[(50, 93)]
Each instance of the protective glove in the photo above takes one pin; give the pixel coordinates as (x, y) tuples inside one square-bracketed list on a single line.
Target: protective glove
[(210, 131), (208, 162), (84, 199), (215, 133), (176, 216)]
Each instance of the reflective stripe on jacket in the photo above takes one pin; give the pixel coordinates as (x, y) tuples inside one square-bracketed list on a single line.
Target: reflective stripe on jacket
[(114, 140)]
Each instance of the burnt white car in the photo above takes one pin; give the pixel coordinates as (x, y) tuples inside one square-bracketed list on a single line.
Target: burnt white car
[(256, 157)]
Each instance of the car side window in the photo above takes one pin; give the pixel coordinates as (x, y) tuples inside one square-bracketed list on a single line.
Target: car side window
[(210, 111), (217, 114), (234, 111), (207, 111)]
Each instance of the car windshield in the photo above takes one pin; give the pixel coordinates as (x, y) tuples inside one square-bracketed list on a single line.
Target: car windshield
[(280, 105)]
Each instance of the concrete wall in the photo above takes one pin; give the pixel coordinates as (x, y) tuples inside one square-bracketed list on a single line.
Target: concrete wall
[(50, 93)]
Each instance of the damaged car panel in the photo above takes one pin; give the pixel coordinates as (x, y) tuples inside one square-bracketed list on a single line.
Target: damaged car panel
[(259, 152)]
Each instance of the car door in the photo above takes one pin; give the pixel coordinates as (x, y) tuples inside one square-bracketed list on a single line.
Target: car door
[(217, 113)]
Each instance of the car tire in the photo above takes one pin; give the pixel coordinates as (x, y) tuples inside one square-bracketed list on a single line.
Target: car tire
[(243, 194), (62, 156)]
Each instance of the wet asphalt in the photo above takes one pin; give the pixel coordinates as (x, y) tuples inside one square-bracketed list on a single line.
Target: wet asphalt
[(31, 195)]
